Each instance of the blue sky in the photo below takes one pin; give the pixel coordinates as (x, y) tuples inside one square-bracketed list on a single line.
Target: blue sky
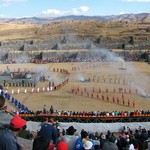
[(55, 8)]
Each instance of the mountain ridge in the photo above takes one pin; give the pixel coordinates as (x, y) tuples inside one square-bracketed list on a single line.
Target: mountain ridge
[(143, 17)]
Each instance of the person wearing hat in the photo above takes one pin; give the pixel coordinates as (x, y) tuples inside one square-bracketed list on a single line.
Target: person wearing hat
[(102, 140), (81, 140), (92, 139), (5, 117), (8, 140), (88, 145), (110, 143), (70, 138)]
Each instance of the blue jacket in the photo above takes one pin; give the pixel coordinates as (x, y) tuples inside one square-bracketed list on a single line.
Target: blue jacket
[(49, 131), (78, 144), (7, 140)]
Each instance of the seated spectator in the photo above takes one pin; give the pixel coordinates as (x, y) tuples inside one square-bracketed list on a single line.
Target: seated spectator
[(70, 138), (8, 139)]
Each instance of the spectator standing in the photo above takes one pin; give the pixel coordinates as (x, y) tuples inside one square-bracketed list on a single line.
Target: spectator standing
[(87, 145), (49, 131), (102, 140), (51, 109), (81, 140), (8, 136), (62, 146), (131, 146), (109, 144), (41, 143), (70, 138), (91, 138), (44, 109)]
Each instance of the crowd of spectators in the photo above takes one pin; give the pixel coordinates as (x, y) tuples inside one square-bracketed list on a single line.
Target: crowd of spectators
[(70, 139), (53, 112), (50, 137)]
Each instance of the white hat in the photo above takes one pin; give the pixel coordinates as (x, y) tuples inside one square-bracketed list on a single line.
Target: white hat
[(103, 136), (87, 145)]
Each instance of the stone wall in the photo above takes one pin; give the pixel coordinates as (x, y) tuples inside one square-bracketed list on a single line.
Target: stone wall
[(66, 42)]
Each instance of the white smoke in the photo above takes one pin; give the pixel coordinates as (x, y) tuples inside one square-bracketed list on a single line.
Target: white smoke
[(22, 57), (80, 77), (140, 80), (109, 56)]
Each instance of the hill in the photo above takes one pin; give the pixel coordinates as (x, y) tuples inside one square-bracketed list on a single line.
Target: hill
[(88, 28), (143, 17), (75, 34)]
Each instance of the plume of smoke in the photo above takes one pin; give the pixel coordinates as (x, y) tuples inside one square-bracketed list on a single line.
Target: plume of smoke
[(40, 70), (141, 80), (80, 77), (108, 55), (23, 58)]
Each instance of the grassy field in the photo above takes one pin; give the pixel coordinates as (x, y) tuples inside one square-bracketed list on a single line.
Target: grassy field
[(88, 28)]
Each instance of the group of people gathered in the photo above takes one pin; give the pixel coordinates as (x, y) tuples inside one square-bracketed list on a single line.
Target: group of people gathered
[(71, 139), (50, 137), (52, 111)]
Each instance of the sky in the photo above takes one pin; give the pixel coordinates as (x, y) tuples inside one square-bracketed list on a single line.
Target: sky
[(56, 8)]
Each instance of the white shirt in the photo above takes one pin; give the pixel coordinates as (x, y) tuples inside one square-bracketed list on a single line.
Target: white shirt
[(12, 92), (25, 91), (131, 147), (47, 88), (32, 90), (18, 91), (43, 89)]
